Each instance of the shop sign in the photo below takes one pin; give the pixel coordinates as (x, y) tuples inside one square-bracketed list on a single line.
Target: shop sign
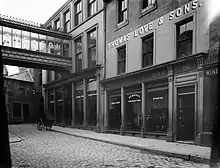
[(211, 72), (157, 98), (149, 26), (158, 74), (135, 95)]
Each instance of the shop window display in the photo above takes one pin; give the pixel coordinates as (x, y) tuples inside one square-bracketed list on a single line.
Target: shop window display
[(114, 112), (133, 117), (91, 112), (79, 108), (157, 111)]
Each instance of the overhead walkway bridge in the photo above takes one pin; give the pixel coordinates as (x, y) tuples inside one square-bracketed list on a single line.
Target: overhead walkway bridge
[(31, 45)]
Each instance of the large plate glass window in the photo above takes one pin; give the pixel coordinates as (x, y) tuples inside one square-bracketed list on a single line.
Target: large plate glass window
[(114, 112), (50, 45), (157, 110)]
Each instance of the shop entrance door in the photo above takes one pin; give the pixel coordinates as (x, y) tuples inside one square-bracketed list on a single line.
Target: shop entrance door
[(186, 114)]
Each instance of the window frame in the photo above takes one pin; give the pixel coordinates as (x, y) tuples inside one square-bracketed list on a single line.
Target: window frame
[(94, 29), (145, 54), (57, 26), (177, 26), (77, 14), (120, 61), (90, 3), (78, 54), (121, 11), (66, 22)]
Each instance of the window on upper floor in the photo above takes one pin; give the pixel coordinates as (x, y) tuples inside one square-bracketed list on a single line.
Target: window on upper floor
[(79, 55), (21, 88), (184, 36), (147, 50), (49, 27), (66, 26), (92, 40), (92, 7), (148, 4), (122, 10), (57, 24), (78, 12), (121, 59)]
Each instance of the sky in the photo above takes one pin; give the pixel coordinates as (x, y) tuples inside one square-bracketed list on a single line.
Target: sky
[(33, 10)]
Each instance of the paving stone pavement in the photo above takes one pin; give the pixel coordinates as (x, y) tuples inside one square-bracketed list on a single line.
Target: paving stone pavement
[(52, 149)]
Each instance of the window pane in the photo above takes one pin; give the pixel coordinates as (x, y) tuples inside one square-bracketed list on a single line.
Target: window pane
[(67, 16), (148, 45), (34, 41), (7, 37), (66, 48), (57, 24), (92, 38), (78, 45), (25, 40), (148, 59), (114, 112), (57, 47), (50, 45), (16, 38), (42, 43), (79, 61), (185, 48)]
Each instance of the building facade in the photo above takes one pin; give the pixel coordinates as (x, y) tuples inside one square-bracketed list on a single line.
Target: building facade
[(74, 99), (159, 70), (143, 68), (22, 105)]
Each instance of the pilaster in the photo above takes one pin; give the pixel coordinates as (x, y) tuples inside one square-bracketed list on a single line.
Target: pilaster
[(73, 104), (170, 130), (200, 75), (55, 102), (105, 110), (98, 101), (143, 108), (85, 102), (122, 110)]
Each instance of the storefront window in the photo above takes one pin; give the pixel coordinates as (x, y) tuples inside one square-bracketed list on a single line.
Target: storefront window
[(50, 45), (34, 42), (16, 38), (59, 105), (7, 37), (133, 119), (114, 112), (42, 43), (79, 111), (25, 40), (157, 111), (92, 112)]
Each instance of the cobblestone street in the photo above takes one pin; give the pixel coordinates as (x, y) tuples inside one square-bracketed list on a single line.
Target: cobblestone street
[(52, 149)]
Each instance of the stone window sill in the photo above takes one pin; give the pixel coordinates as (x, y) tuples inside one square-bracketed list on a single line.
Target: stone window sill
[(121, 25)]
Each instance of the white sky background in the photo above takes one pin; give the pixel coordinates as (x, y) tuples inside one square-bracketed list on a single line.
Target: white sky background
[(33, 10)]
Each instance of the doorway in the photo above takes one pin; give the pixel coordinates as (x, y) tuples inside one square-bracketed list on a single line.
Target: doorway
[(26, 111), (186, 113)]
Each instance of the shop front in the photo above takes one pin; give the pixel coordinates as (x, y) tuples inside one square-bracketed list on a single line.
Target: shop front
[(211, 92)]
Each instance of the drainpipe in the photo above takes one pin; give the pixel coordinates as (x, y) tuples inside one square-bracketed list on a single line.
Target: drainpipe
[(104, 19)]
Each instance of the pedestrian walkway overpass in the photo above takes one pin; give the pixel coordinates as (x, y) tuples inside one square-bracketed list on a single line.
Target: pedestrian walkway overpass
[(31, 45)]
